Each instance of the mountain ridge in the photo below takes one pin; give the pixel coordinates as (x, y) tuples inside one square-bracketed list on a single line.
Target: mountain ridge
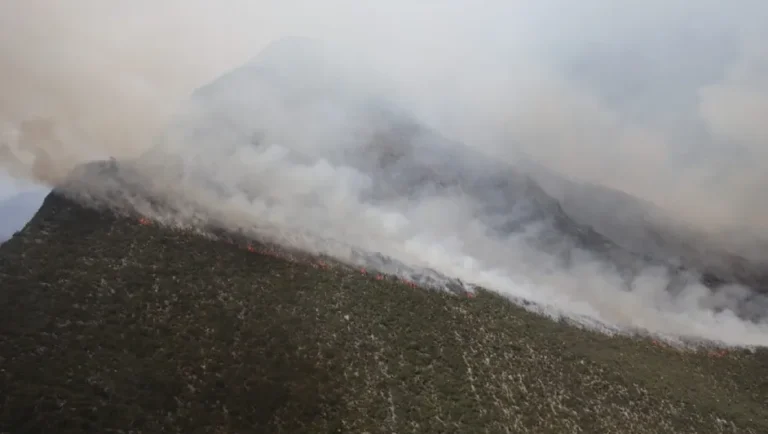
[(129, 306), (110, 323)]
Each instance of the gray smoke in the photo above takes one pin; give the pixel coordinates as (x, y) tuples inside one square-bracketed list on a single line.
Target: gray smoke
[(658, 100)]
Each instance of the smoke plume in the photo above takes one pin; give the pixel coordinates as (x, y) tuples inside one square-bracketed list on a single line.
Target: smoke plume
[(659, 100)]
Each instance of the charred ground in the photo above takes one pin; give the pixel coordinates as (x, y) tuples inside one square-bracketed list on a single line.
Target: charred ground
[(110, 325)]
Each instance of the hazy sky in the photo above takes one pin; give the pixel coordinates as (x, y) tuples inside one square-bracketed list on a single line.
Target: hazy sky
[(14, 214), (10, 187), (7, 187)]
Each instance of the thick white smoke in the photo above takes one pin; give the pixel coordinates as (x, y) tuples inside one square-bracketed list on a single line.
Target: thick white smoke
[(658, 99)]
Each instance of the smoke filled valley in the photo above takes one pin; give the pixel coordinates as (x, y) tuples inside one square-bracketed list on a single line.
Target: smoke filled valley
[(454, 227)]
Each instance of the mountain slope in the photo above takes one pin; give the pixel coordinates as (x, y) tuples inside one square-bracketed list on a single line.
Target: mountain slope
[(109, 324), (640, 227), (298, 96)]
